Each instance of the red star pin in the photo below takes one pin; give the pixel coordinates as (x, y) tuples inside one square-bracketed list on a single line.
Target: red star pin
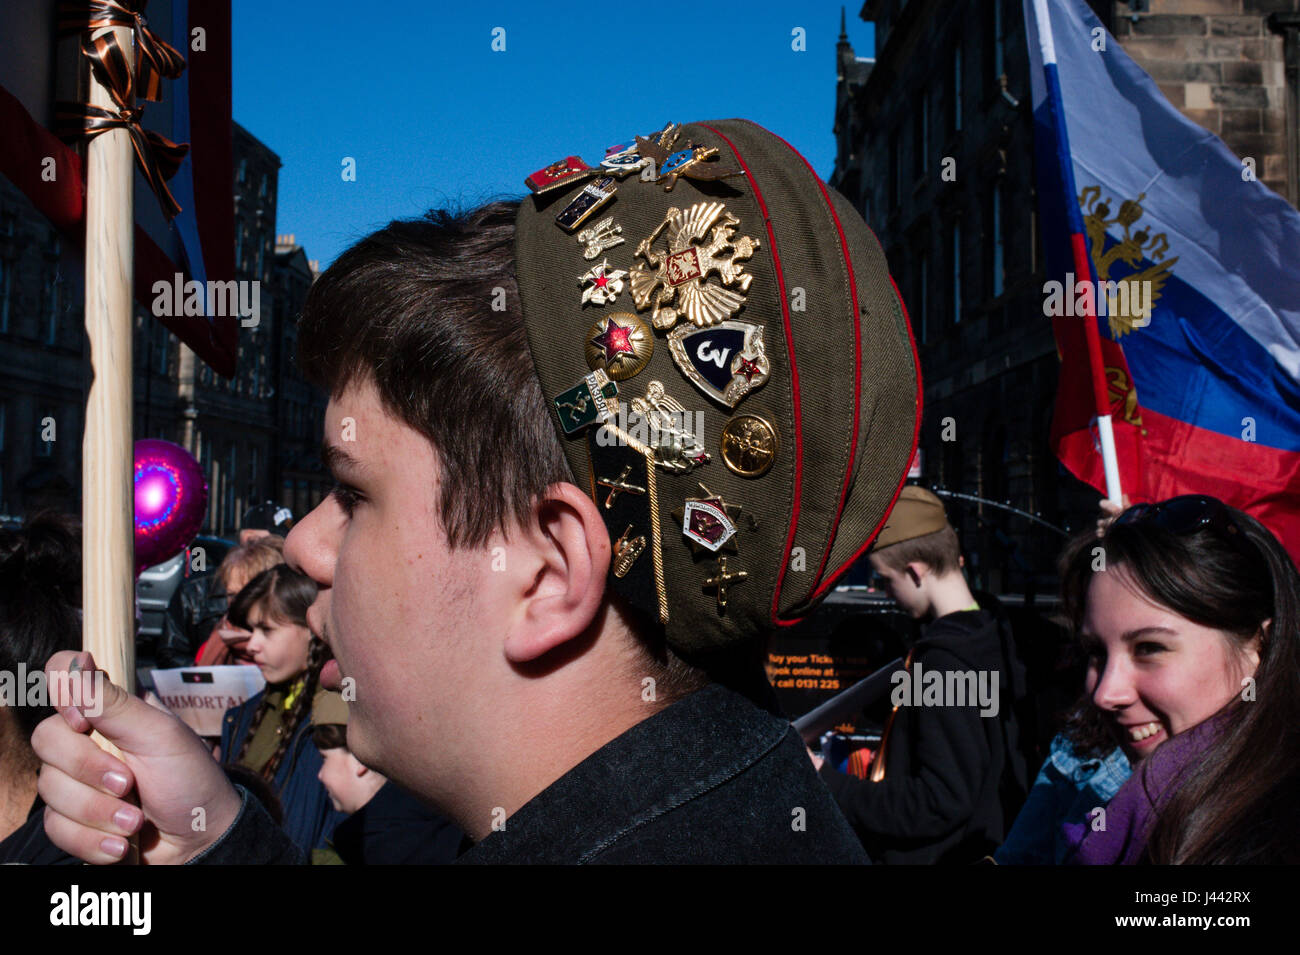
[(615, 339), (749, 368)]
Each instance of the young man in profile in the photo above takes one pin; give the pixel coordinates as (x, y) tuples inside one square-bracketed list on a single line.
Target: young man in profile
[(586, 461), (948, 776)]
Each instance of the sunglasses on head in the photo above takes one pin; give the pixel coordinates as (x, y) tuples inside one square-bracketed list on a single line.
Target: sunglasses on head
[(1191, 512)]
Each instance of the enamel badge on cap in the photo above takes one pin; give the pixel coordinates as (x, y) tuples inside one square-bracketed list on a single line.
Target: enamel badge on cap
[(699, 242), (725, 361), (708, 522), (590, 400), (557, 174), (620, 344), (594, 195)]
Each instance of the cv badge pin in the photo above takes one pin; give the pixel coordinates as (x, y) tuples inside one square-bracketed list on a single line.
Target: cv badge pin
[(726, 361)]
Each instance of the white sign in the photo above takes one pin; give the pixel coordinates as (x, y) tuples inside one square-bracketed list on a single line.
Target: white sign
[(200, 696)]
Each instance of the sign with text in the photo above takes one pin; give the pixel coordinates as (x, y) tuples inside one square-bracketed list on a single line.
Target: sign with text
[(200, 696)]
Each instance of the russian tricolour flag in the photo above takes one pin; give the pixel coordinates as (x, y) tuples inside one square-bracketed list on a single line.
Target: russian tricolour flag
[(1194, 272)]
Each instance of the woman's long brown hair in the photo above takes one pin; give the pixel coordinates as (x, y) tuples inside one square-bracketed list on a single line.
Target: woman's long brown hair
[(1237, 805), (282, 594)]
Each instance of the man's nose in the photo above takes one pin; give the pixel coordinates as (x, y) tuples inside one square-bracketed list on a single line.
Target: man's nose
[(312, 546)]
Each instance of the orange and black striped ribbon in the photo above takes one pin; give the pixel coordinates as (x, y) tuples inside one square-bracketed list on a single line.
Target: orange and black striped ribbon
[(157, 156), (156, 59), (877, 772)]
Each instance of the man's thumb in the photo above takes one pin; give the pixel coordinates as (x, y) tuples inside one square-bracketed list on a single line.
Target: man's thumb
[(74, 681)]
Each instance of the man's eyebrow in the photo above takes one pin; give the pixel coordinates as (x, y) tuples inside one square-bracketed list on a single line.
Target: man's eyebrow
[(337, 461)]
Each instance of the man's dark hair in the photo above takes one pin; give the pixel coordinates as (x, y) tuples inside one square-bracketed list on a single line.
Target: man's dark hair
[(428, 309)]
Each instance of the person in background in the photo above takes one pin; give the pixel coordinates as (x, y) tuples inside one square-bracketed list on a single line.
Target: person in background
[(270, 733), (40, 614), (1189, 613), (947, 779), (1072, 783), (385, 824), (227, 644), (198, 603)]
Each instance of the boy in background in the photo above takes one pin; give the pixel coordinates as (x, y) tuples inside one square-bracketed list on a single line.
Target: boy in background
[(948, 778), (385, 825)]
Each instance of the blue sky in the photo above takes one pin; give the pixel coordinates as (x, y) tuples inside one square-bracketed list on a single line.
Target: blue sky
[(434, 117)]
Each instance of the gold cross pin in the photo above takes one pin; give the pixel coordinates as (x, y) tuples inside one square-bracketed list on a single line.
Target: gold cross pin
[(722, 579), (619, 484)]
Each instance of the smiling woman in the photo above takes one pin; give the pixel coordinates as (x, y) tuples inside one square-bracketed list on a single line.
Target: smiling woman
[(1189, 614)]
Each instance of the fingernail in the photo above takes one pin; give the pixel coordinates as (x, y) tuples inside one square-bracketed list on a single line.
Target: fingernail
[(116, 783), (128, 817), (114, 846)]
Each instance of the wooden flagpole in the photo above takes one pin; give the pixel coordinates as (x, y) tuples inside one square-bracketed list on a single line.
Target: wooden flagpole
[(107, 458)]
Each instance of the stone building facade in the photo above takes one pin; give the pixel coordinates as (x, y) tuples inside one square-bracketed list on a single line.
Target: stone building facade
[(256, 435), (935, 148)]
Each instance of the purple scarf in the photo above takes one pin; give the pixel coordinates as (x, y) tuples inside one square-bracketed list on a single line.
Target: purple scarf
[(1131, 814)]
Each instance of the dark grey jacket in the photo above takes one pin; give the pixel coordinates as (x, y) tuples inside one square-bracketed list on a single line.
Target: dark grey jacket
[(710, 779), (194, 611)]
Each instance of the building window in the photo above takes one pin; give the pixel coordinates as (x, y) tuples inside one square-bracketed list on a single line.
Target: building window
[(1033, 241), (922, 279), (53, 293), (921, 134), (895, 170), (6, 272), (999, 246), (243, 171), (239, 246), (163, 351), (956, 273), (44, 448), (230, 517), (954, 89), (994, 51)]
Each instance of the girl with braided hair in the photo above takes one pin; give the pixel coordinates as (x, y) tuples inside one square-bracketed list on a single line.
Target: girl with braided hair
[(270, 734)]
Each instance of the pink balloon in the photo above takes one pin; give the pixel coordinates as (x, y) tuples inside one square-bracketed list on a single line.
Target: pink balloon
[(171, 497)]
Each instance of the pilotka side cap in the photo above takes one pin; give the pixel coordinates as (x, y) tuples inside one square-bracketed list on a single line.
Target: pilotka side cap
[(730, 368)]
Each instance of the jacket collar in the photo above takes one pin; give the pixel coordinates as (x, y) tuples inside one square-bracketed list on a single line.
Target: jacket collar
[(683, 751)]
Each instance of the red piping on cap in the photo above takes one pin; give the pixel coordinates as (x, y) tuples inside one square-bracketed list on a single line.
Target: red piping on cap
[(857, 362), (916, 436), (794, 371)]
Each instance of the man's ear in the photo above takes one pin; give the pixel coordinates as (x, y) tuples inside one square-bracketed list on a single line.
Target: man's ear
[(566, 548), (916, 572)]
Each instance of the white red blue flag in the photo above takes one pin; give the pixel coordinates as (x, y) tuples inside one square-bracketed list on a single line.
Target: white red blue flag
[(1194, 268)]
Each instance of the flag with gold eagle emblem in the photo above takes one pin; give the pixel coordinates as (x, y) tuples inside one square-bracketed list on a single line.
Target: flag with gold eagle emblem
[(1193, 283)]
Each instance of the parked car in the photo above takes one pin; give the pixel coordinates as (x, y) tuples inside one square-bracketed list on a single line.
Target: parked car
[(155, 585)]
